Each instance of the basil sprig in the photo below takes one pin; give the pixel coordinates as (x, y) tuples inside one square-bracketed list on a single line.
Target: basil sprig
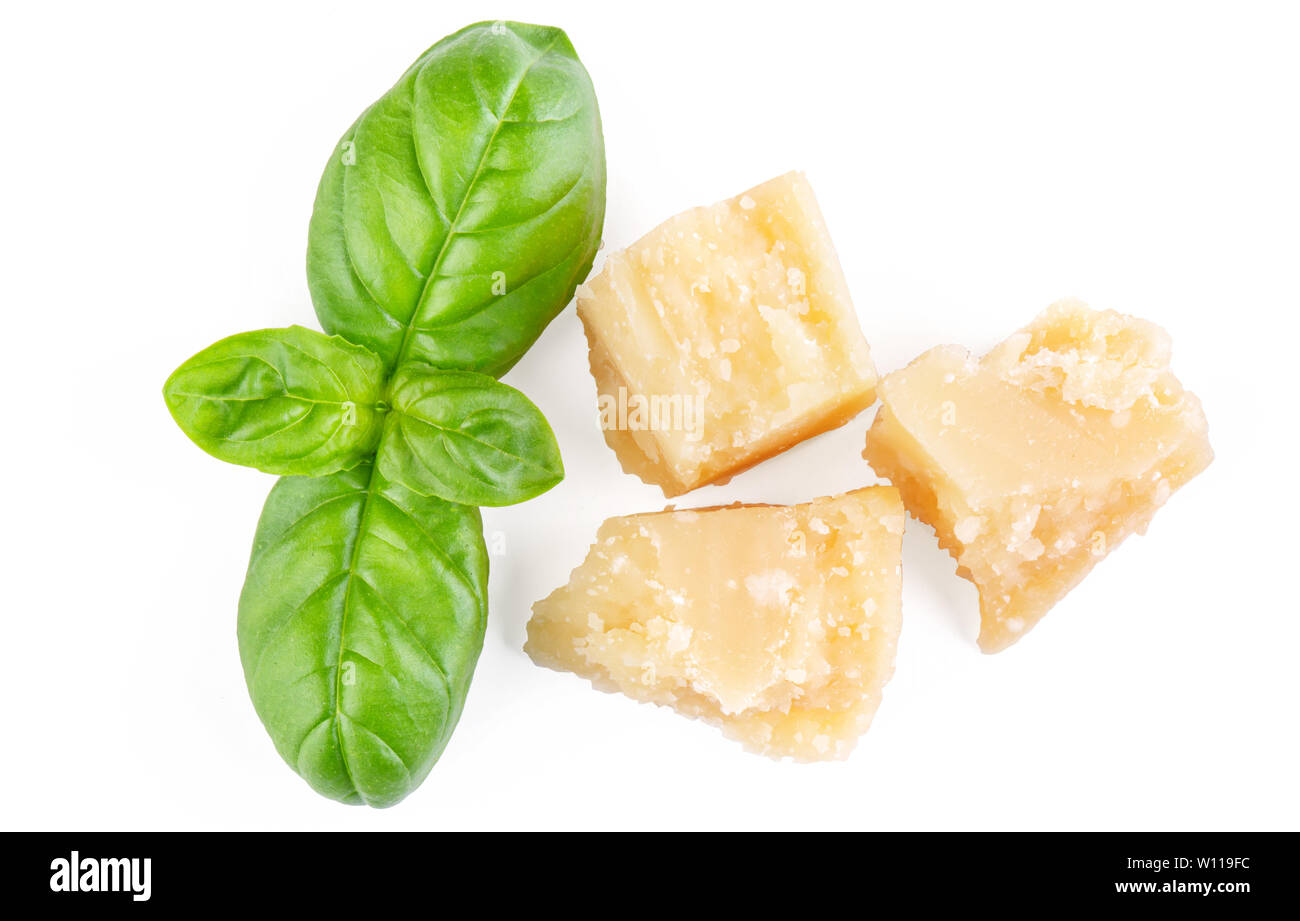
[(452, 223)]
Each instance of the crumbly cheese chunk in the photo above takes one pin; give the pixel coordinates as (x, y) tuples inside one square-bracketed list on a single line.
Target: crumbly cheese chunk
[(724, 336), (776, 623), (1036, 461)]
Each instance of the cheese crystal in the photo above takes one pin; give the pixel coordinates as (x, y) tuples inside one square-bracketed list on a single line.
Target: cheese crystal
[(1036, 461), (724, 336), (776, 623)]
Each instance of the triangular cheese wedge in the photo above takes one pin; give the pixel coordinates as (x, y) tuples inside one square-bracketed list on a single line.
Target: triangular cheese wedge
[(1036, 461), (777, 623), (724, 336)]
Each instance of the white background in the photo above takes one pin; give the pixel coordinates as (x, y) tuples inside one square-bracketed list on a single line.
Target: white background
[(159, 166)]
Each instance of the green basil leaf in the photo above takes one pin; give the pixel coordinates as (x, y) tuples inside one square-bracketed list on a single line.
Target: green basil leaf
[(457, 215), (290, 401), (360, 622), (465, 437)]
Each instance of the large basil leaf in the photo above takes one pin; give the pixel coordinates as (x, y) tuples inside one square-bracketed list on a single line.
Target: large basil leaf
[(290, 401), (360, 622), (457, 215), (466, 437)]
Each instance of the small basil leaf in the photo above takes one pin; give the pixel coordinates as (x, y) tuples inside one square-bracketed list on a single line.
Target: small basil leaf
[(459, 212), (467, 438), (290, 401), (360, 622)]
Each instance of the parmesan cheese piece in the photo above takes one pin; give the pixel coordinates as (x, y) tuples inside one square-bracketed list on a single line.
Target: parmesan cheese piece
[(1035, 462), (776, 623), (724, 336)]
